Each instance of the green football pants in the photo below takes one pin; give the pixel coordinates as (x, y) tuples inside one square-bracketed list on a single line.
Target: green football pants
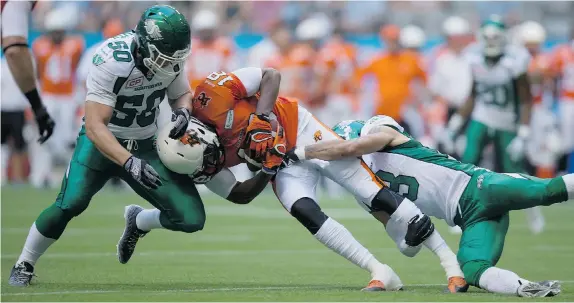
[(485, 205), (177, 199), (478, 136)]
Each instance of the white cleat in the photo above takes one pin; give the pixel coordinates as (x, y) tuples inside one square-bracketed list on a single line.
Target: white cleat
[(384, 278), (539, 289)]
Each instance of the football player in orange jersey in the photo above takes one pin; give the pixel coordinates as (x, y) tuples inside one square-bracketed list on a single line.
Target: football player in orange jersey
[(563, 63), (58, 56), (244, 108), (15, 19)]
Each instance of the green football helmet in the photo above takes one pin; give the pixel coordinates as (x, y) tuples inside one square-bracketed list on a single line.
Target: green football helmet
[(349, 129), (163, 39), (493, 36)]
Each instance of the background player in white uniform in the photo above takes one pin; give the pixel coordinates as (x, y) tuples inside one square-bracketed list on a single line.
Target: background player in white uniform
[(499, 106), (15, 20), (130, 75), (461, 194)]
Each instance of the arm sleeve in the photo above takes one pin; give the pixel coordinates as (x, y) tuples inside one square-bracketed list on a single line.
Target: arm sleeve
[(100, 86), (15, 17), (179, 86), (223, 183), (250, 77)]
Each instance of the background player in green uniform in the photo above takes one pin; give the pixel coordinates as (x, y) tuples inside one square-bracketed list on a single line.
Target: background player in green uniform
[(471, 197), (499, 107)]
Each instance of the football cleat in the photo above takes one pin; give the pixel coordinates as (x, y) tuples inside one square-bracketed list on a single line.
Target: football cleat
[(456, 284), (131, 235), (21, 274), (375, 285), (538, 289)]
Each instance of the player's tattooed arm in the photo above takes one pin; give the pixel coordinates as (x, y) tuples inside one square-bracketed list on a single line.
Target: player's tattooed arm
[(269, 90), (339, 149), (97, 117), (245, 192)]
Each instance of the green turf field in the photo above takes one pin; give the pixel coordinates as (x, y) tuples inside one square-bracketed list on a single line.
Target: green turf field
[(255, 252)]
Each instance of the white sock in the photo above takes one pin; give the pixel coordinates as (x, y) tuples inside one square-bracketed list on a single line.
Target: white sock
[(337, 238), (35, 246), (148, 219), (500, 281), (569, 181), (406, 211), (438, 246)]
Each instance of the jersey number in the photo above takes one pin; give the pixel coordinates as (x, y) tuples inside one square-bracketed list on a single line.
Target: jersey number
[(119, 54), (498, 95), (126, 110), (216, 75), (412, 185)]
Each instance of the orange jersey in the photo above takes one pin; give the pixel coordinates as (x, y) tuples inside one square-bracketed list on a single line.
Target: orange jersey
[(207, 57), (394, 74), (538, 71), (563, 65), (297, 71), (338, 60), (221, 101), (57, 64)]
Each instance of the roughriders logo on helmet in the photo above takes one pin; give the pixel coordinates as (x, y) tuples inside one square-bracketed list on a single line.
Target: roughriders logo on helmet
[(152, 30)]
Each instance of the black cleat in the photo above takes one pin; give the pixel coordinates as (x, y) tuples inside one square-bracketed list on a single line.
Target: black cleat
[(21, 274), (131, 235)]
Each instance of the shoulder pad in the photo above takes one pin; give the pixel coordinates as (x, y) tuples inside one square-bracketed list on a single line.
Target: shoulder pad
[(104, 57), (373, 123)]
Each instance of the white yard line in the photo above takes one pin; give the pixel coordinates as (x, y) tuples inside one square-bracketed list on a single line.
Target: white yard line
[(222, 289)]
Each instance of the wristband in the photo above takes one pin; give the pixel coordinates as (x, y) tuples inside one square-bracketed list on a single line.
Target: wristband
[(34, 99), (300, 153)]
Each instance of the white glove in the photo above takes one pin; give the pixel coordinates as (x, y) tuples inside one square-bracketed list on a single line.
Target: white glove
[(453, 127), (517, 146)]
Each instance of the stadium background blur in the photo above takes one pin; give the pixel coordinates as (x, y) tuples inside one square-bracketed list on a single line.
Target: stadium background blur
[(329, 77)]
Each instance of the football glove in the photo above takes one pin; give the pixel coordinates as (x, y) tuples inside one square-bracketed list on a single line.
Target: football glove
[(517, 146), (419, 229), (259, 136), (45, 124), (142, 172), (274, 157), (180, 119)]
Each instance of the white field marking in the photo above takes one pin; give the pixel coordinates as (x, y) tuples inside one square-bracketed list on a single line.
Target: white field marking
[(222, 289), (189, 253)]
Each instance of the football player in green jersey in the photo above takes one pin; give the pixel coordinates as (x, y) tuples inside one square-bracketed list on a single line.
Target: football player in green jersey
[(471, 197)]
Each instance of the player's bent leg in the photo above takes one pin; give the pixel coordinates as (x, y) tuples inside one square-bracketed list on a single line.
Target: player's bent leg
[(178, 206), (302, 205), (86, 175), (505, 192), (476, 140)]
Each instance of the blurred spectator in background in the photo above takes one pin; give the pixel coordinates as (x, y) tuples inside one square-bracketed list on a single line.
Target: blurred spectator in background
[(276, 44), (543, 148), (563, 63), (57, 54), (450, 78), (210, 51), (13, 105), (412, 38), (394, 70)]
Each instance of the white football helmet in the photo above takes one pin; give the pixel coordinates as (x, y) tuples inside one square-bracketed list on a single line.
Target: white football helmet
[(198, 153), (455, 26), (532, 32)]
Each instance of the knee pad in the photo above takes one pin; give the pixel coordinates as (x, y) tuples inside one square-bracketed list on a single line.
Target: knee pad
[(386, 200), (308, 213), (473, 270)]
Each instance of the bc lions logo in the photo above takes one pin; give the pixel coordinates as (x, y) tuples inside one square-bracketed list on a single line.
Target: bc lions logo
[(318, 136), (152, 30), (190, 138), (203, 100)]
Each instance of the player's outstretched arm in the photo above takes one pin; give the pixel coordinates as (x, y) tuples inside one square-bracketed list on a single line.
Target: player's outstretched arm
[(269, 90), (339, 149)]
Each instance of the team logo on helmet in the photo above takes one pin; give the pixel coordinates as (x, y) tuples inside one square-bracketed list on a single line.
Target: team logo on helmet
[(152, 30)]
